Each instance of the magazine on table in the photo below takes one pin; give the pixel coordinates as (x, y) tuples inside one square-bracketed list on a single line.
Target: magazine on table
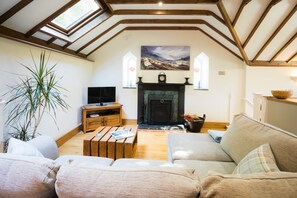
[(121, 134)]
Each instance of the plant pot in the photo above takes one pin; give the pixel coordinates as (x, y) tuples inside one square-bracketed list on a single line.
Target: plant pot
[(195, 125)]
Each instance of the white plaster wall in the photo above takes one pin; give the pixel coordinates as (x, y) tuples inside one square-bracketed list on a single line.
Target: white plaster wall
[(224, 97), (76, 74), (262, 80)]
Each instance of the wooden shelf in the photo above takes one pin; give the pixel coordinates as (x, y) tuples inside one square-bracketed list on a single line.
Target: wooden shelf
[(109, 115), (292, 101)]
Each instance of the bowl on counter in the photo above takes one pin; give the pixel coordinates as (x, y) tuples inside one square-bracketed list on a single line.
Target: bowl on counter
[(282, 94)]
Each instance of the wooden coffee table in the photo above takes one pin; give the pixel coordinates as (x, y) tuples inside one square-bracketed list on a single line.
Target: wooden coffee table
[(100, 143)]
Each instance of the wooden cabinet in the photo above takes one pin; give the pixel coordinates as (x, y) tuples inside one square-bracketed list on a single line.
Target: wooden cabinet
[(281, 113), (95, 116)]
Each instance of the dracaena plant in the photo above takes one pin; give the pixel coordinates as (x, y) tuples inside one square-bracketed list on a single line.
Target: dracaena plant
[(36, 94)]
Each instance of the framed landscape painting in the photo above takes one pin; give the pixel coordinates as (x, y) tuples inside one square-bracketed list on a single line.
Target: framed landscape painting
[(165, 57)]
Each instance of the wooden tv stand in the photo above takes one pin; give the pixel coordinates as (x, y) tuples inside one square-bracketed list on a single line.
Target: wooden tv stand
[(96, 116)]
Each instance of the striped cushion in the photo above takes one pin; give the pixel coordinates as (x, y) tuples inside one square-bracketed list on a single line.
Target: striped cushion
[(258, 160)]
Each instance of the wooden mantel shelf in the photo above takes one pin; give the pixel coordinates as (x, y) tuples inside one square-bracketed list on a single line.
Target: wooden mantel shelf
[(292, 101)]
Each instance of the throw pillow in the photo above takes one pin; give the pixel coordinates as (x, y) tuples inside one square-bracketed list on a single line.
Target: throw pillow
[(258, 160), (18, 147)]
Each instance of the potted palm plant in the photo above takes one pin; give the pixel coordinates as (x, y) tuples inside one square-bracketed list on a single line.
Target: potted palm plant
[(36, 94)]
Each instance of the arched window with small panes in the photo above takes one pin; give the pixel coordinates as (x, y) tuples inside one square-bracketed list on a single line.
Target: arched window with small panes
[(201, 72), (129, 70)]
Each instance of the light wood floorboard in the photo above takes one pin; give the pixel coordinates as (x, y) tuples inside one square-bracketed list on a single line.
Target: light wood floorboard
[(151, 144)]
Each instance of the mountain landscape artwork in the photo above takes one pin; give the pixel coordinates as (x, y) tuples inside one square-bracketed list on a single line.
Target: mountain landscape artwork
[(165, 57)]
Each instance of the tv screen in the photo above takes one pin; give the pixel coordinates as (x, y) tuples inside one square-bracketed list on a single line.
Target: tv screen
[(101, 95)]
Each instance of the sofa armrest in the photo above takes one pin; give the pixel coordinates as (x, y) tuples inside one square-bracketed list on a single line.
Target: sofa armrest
[(274, 184)]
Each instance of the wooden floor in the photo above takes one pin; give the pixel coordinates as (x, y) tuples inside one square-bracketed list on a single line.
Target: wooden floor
[(152, 144)]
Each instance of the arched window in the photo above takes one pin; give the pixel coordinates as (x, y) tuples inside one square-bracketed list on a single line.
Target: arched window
[(201, 71), (129, 70)]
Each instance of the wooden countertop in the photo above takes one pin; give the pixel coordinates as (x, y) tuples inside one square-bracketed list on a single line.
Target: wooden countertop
[(292, 101)]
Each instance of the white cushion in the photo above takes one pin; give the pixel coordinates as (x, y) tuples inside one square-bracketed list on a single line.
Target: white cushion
[(18, 147), (46, 145)]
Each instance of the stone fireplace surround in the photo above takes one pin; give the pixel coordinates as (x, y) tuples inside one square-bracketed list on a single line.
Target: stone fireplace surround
[(160, 103)]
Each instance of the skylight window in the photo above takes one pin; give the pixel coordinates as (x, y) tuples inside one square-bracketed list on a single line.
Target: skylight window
[(76, 14)]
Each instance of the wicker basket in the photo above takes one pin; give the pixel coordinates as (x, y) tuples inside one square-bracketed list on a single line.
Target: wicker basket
[(281, 94)]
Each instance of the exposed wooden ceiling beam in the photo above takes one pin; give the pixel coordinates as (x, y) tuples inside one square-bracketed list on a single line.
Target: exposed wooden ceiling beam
[(276, 32), (52, 35), (105, 6), (219, 32), (50, 18), (169, 12), (291, 58), (17, 7), (165, 28), (273, 64), (242, 5), (17, 36), (51, 40), (144, 28), (97, 37), (215, 40), (179, 21), (284, 47), (232, 30), (271, 4), (156, 1), (156, 21), (104, 16)]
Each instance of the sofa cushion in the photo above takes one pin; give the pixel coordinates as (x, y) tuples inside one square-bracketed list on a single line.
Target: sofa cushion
[(198, 137), (258, 160), (27, 176), (246, 134), (203, 167), (91, 180), (18, 147), (98, 160), (130, 162), (264, 185), (193, 147)]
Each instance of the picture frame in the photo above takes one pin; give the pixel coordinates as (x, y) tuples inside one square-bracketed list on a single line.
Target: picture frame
[(165, 58)]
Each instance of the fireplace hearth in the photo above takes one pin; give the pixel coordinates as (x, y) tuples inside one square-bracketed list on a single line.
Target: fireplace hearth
[(160, 103)]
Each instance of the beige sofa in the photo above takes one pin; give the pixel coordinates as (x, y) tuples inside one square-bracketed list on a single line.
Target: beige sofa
[(34, 169), (227, 169), (197, 167)]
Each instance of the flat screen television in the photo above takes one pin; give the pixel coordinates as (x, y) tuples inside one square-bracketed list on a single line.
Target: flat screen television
[(101, 95)]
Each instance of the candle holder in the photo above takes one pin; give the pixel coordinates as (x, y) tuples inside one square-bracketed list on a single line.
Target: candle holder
[(187, 81), (139, 80)]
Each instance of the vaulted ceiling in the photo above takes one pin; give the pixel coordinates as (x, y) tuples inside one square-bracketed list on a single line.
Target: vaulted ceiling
[(259, 32)]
